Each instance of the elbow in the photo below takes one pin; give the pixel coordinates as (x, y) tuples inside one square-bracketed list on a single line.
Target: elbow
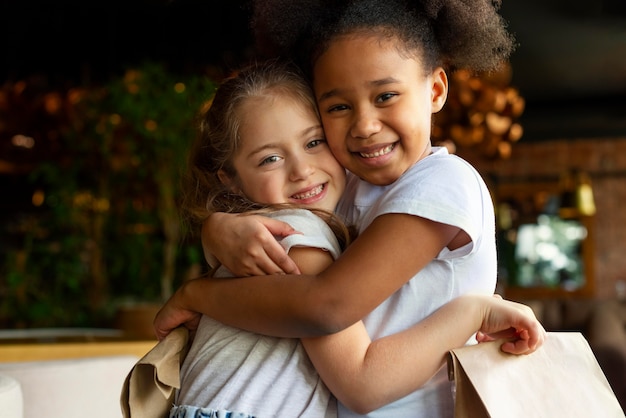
[(359, 407), (363, 403), (328, 315), (321, 321)]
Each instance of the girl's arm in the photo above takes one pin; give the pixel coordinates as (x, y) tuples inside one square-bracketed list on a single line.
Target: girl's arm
[(384, 257), (366, 375)]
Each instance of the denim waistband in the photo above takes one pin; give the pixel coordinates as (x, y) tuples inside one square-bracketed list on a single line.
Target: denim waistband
[(187, 411)]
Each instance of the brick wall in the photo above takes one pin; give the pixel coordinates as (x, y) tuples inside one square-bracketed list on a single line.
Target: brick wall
[(604, 160)]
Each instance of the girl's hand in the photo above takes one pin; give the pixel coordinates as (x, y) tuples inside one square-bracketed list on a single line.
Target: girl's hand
[(172, 315), (512, 321), (247, 245)]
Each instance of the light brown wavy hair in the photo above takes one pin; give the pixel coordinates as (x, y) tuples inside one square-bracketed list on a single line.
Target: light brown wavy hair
[(218, 142)]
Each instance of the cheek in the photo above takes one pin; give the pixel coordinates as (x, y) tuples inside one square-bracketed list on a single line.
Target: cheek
[(334, 139), (334, 168), (339, 151), (334, 129), (263, 191), (340, 180)]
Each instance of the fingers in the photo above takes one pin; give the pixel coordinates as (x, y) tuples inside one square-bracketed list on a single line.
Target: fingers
[(515, 323), (519, 346), (504, 334), (264, 256), (482, 337), (162, 324), (278, 260), (278, 228), (160, 332), (282, 261), (516, 347), (255, 251), (527, 342), (536, 336), (172, 315)]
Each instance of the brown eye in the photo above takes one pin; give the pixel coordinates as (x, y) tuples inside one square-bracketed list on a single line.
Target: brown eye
[(315, 143), (337, 108), (385, 96)]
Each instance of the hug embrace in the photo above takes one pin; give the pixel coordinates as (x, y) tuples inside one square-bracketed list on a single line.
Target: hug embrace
[(353, 254)]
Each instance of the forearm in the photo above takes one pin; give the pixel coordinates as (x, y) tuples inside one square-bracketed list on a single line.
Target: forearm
[(272, 305), (208, 245), (394, 366), (364, 276), (344, 293)]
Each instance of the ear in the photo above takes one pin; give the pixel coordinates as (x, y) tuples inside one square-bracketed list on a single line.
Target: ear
[(439, 92), (227, 181)]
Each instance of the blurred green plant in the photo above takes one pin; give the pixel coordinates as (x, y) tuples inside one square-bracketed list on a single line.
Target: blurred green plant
[(107, 225)]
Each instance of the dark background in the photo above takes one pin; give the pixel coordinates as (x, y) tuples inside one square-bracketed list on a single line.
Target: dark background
[(570, 64), (88, 41)]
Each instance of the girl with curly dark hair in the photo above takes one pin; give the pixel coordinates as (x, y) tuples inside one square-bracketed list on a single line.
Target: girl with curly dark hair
[(425, 218)]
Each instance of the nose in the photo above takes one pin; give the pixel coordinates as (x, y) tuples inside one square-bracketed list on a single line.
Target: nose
[(365, 124), (301, 169)]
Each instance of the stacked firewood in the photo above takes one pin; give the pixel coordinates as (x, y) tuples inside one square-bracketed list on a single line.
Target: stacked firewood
[(482, 113)]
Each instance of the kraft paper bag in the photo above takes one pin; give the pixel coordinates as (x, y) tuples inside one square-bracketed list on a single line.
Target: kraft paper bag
[(560, 379), (150, 387)]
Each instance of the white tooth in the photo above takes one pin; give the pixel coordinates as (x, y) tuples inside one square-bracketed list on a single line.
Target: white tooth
[(310, 193), (378, 153)]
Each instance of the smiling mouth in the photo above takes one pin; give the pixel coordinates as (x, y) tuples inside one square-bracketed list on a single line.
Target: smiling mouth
[(378, 153), (309, 194)]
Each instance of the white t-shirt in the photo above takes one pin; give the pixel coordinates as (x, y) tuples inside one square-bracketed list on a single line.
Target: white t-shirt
[(236, 370), (446, 189)]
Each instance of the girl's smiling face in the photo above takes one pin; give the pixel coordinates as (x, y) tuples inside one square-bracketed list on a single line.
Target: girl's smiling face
[(376, 104), (283, 155)]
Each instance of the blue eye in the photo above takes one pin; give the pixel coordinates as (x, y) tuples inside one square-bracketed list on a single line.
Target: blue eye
[(269, 160)]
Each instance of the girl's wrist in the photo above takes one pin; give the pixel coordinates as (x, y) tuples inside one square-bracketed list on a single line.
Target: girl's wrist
[(473, 307), (184, 297)]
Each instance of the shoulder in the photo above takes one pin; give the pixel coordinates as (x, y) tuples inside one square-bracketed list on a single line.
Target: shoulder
[(298, 218), (443, 164), (441, 172), (313, 231), (441, 187)]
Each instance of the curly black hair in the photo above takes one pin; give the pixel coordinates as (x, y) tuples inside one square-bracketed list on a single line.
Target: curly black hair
[(455, 34)]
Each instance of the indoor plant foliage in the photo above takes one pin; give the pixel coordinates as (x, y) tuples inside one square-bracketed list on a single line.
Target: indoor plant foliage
[(152, 116), (106, 226)]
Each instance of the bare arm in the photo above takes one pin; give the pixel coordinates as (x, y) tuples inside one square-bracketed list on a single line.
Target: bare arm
[(366, 274), (366, 375)]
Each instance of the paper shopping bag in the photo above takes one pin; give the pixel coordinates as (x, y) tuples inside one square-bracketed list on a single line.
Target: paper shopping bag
[(560, 379), (150, 387)]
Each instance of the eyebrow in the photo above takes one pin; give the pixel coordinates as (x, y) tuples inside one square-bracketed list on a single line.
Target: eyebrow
[(373, 83)]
